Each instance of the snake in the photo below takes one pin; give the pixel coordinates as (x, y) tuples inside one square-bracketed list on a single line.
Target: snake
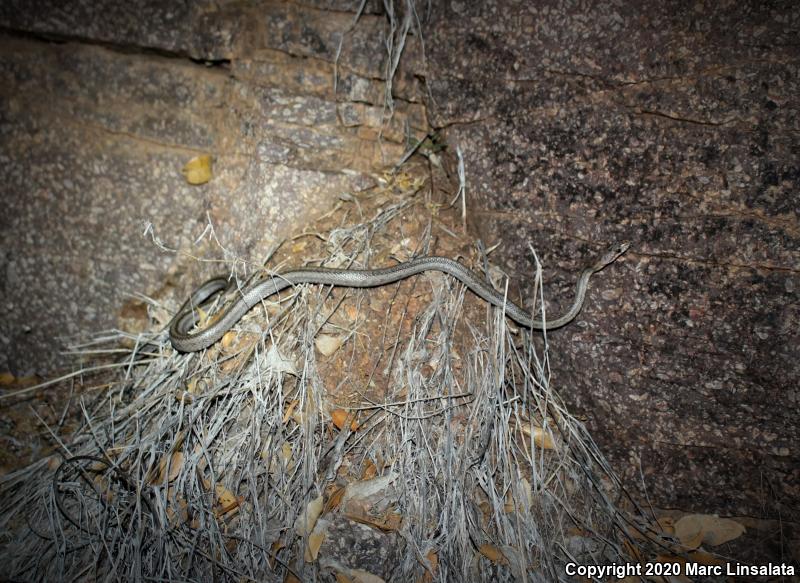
[(185, 340)]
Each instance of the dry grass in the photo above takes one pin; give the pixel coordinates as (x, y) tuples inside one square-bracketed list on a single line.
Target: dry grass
[(203, 466)]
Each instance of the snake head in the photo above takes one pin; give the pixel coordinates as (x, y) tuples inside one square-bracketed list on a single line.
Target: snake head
[(611, 255)]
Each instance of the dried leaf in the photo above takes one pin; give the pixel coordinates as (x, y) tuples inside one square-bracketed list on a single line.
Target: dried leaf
[(351, 312), (237, 341), (306, 521), (179, 515), (101, 487), (275, 548), (290, 411), (286, 455), (431, 568), (492, 553), (315, 540), (53, 462), (175, 466), (227, 340), (168, 469), (335, 499), (278, 363), (361, 576), (370, 470), (339, 418), (390, 522), (231, 545), (225, 500), (202, 317), (327, 344), (198, 170), (361, 492), (184, 397), (541, 438), (694, 529), (525, 491), (667, 524)]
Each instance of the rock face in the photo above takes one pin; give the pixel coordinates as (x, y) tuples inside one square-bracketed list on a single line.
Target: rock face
[(675, 126), (102, 107)]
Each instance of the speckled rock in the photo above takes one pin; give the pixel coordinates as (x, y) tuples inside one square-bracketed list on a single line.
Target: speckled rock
[(352, 546), (673, 125), (215, 31), (203, 29), (93, 139)]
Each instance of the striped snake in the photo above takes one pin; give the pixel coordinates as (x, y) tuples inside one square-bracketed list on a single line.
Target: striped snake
[(184, 340)]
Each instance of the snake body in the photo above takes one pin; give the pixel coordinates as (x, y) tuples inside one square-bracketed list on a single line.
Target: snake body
[(184, 340)]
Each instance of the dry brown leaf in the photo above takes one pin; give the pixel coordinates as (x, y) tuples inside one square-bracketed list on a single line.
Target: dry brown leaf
[(486, 510), (541, 438), (102, 489), (202, 317), (351, 312), (184, 397), (339, 418), (694, 541), (304, 524), (198, 170), (231, 545), (667, 525), (695, 529), (275, 548), (432, 567), (723, 530), (342, 578), (315, 540), (335, 499), (363, 493), (202, 463), (179, 515), (290, 411), (233, 342), (327, 344), (168, 469), (492, 553), (226, 501), (286, 455), (370, 470), (227, 340), (243, 349), (362, 576), (524, 489), (390, 522), (6, 379), (175, 465)]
